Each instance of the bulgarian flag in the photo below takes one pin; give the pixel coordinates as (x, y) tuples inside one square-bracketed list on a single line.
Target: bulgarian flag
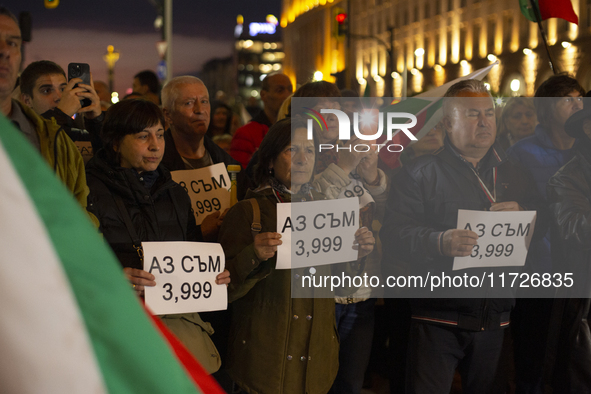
[(70, 321), (562, 9), (427, 108)]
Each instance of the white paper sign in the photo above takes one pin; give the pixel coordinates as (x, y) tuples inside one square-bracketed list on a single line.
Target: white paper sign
[(208, 188), (317, 232), (503, 238), (185, 277), (356, 189)]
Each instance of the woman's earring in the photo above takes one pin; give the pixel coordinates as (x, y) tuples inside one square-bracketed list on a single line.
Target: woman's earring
[(271, 172)]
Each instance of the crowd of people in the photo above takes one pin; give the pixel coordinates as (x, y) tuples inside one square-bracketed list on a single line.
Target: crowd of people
[(531, 154)]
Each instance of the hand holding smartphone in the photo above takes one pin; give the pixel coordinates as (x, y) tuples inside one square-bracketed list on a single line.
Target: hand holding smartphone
[(82, 71)]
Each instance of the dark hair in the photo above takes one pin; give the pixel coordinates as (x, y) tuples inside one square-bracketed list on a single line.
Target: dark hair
[(277, 139), (266, 82), (318, 89), (214, 106), (315, 89), (349, 93), (34, 71), (133, 95), (6, 12), (148, 77), (127, 117), (556, 86)]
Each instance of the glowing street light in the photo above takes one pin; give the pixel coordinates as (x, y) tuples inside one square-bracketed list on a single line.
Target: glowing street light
[(111, 58), (515, 85), (318, 76), (419, 52)]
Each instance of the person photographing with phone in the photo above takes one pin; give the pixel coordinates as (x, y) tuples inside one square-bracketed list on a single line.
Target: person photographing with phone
[(46, 91), (46, 136)]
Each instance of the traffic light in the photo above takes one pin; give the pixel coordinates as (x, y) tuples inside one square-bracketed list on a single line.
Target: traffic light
[(51, 3), (342, 22)]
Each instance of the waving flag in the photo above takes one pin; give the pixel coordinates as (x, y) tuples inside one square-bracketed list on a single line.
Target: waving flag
[(70, 321), (562, 9), (427, 108)]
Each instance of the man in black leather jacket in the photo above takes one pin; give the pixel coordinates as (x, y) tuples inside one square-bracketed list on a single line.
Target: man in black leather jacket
[(469, 172), (569, 193)]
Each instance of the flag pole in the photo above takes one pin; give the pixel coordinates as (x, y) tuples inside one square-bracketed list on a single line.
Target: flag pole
[(551, 60)]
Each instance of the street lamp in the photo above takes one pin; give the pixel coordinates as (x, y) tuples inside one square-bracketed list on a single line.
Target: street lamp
[(515, 85), (111, 58)]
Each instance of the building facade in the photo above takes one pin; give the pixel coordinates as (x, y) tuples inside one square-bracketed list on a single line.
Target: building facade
[(435, 41), (258, 52)]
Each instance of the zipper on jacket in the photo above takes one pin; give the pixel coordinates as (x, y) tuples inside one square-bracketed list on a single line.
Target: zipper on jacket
[(484, 313)]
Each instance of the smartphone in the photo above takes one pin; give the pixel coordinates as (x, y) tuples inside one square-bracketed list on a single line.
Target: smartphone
[(82, 71)]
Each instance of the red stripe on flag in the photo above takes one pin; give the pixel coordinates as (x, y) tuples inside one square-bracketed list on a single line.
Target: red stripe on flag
[(562, 9), (200, 377)]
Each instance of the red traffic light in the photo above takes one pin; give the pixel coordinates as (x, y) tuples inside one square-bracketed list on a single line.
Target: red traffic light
[(341, 18)]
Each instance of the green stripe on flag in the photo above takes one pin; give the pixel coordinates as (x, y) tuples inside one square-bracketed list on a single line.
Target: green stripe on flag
[(132, 355), (527, 9)]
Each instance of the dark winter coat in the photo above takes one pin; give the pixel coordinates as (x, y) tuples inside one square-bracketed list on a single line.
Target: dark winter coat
[(162, 213), (278, 344), (569, 194), (424, 201)]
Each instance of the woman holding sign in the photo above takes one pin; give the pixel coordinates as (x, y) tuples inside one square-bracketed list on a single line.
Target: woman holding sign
[(278, 344), (136, 200)]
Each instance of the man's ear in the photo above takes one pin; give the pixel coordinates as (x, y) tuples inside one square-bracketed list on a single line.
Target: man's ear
[(166, 114), (263, 95), (446, 123), (27, 100)]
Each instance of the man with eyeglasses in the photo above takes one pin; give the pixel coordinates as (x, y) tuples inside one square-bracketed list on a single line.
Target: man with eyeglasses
[(542, 154)]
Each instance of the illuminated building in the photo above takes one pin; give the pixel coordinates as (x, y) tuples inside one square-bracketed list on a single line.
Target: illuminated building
[(438, 40), (258, 51)]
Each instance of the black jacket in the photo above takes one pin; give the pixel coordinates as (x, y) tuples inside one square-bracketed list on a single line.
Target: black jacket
[(173, 161), (569, 193), (424, 201), (90, 132), (162, 213)]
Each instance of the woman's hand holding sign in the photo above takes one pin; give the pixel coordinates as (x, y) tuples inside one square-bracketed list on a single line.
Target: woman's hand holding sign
[(364, 242), (138, 279), (265, 245)]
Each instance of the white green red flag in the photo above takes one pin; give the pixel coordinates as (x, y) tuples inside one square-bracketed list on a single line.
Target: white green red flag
[(427, 108), (70, 321), (562, 9)]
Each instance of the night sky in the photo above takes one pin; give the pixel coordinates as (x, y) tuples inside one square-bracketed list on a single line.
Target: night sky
[(81, 30)]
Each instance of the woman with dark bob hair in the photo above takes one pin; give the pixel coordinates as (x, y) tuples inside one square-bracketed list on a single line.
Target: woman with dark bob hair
[(136, 200), (278, 344)]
